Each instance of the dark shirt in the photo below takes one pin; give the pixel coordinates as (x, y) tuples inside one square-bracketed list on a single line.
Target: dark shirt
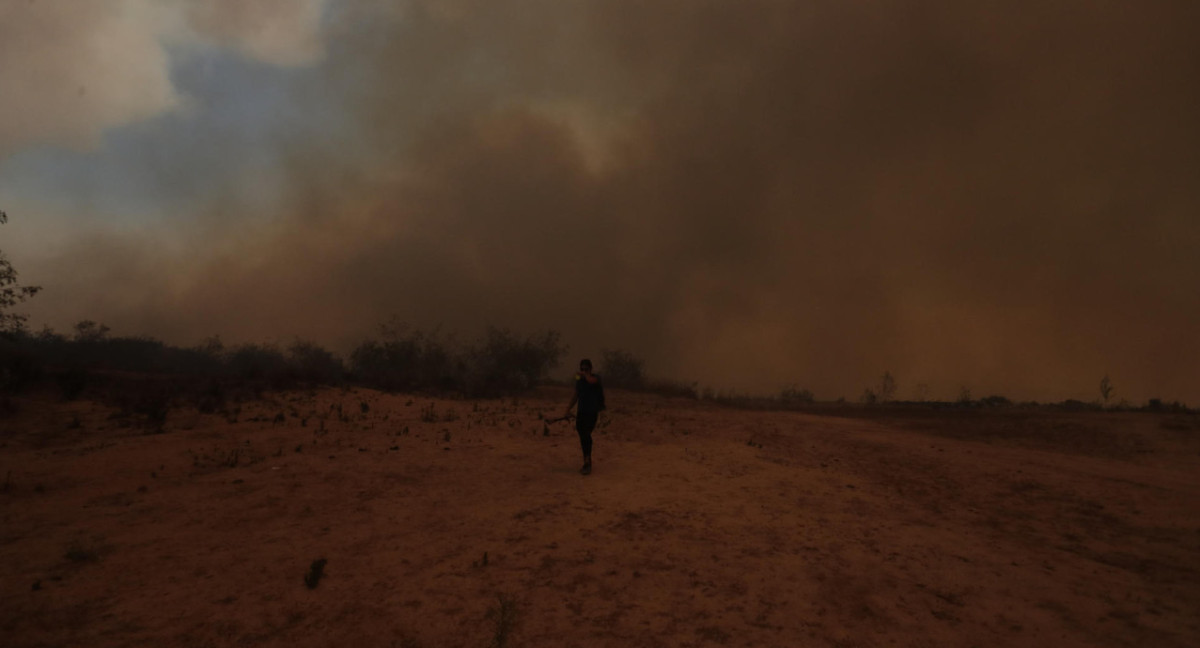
[(591, 395)]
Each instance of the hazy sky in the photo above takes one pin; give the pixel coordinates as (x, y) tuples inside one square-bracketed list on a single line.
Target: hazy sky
[(997, 194)]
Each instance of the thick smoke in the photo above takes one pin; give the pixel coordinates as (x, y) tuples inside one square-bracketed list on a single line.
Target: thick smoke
[(68, 70), (282, 32), (71, 70), (749, 194)]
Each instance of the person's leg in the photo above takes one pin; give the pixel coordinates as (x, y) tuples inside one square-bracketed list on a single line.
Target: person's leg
[(585, 443), (584, 424)]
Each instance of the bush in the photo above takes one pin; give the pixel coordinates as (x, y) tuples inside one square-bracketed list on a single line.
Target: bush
[(502, 363), (93, 349), (154, 404), (622, 369), (313, 364), (72, 382), (793, 395), (19, 366), (406, 360), (498, 363), (995, 401), (401, 359), (1157, 405), (144, 399), (259, 362), (212, 397), (1072, 405)]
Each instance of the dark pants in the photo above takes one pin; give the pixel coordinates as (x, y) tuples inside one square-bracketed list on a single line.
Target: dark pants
[(585, 422)]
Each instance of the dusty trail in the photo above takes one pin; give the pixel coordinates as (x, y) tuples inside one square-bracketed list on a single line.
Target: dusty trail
[(444, 520)]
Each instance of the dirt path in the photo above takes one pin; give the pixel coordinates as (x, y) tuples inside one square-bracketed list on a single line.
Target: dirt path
[(457, 523)]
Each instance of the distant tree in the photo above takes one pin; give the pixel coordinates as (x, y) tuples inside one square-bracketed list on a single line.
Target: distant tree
[(212, 347), (964, 395), (11, 293), (887, 387), (89, 331), (921, 392), (1106, 389)]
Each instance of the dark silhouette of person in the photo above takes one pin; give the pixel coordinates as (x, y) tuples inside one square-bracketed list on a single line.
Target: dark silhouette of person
[(589, 393)]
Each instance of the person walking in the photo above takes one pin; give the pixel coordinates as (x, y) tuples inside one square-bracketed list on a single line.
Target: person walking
[(589, 394)]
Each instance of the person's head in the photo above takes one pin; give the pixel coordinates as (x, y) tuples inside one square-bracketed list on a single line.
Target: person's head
[(585, 365)]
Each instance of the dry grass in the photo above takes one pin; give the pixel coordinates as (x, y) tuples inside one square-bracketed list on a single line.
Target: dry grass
[(702, 525)]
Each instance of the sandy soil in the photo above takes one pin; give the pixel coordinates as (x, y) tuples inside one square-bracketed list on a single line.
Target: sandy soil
[(460, 523)]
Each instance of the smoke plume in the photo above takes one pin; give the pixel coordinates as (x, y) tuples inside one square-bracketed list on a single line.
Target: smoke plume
[(749, 194)]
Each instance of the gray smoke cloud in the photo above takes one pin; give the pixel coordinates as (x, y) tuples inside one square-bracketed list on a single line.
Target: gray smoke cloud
[(748, 194), (72, 70), (69, 70)]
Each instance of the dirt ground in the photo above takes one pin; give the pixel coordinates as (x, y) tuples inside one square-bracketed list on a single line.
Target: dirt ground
[(467, 523)]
